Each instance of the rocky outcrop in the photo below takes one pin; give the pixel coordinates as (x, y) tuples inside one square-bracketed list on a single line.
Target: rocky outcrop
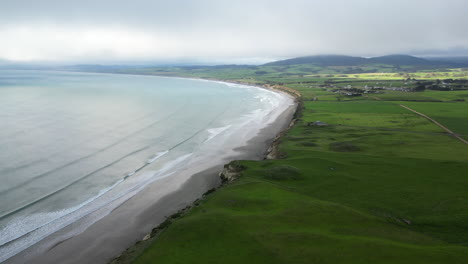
[(273, 152), (231, 172)]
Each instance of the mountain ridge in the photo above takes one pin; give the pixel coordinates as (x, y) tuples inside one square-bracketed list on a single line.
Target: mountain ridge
[(344, 60)]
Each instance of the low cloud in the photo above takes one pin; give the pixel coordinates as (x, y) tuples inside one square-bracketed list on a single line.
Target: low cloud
[(203, 30)]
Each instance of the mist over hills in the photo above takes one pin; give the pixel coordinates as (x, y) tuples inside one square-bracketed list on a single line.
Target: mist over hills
[(459, 60), (353, 64), (342, 60)]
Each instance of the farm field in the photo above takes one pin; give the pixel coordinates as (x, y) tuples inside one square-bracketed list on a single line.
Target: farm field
[(376, 183)]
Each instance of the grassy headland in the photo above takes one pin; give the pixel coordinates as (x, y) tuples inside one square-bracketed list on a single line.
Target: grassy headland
[(376, 184)]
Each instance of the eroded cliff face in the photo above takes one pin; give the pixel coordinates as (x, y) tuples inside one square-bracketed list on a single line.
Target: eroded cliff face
[(273, 151), (231, 171)]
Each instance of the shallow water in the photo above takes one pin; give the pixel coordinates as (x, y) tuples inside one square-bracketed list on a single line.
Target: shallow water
[(71, 143)]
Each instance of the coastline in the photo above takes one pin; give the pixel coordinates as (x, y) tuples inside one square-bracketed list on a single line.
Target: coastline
[(131, 221)]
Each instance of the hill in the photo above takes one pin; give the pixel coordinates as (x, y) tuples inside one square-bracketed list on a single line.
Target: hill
[(340, 60), (459, 60), (401, 60), (322, 60)]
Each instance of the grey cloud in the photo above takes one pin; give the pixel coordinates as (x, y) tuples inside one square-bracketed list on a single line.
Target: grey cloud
[(273, 28)]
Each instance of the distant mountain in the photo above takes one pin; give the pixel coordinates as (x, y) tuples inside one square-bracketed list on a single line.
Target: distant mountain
[(461, 60), (400, 60), (322, 60), (340, 60)]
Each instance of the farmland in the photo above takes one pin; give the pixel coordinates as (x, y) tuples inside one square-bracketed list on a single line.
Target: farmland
[(375, 183)]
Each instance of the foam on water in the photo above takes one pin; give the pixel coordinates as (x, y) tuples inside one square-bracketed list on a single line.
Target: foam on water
[(21, 228), (157, 156), (213, 132)]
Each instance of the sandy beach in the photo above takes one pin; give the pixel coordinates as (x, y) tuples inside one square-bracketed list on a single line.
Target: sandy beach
[(119, 229)]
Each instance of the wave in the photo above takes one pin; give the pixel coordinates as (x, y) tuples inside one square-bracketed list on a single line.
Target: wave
[(157, 156), (213, 132), (12, 242), (39, 199), (60, 189), (117, 142), (64, 187), (26, 223), (20, 232)]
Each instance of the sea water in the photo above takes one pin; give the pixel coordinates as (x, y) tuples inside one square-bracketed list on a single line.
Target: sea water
[(71, 143)]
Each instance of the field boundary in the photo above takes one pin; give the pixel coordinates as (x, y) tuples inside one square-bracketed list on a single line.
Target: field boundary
[(437, 123)]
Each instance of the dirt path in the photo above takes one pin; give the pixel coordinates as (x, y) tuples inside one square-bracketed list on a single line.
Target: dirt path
[(437, 123)]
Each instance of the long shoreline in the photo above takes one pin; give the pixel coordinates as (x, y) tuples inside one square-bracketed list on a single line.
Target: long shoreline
[(134, 218)]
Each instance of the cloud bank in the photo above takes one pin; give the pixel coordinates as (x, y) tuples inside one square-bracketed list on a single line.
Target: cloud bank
[(219, 30)]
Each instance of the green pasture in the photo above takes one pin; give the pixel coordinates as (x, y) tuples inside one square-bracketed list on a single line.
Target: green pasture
[(378, 184)]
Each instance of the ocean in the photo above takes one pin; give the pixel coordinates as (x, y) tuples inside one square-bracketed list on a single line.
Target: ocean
[(74, 143)]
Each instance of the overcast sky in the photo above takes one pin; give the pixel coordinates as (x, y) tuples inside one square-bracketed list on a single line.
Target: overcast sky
[(237, 31)]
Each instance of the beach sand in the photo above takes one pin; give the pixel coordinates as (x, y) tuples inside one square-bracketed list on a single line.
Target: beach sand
[(108, 237)]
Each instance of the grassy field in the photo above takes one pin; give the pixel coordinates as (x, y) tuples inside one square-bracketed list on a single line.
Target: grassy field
[(452, 115), (378, 184), (259, 221), (422, 75), (306, 72)]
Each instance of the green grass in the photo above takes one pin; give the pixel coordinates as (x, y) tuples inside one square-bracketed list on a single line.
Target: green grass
[(254, 221), (446, 96), (379, 184), (406, 96), (304, 71), (395, 75), (329, 215), (452, 115), (376, 142), (366, 113)]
